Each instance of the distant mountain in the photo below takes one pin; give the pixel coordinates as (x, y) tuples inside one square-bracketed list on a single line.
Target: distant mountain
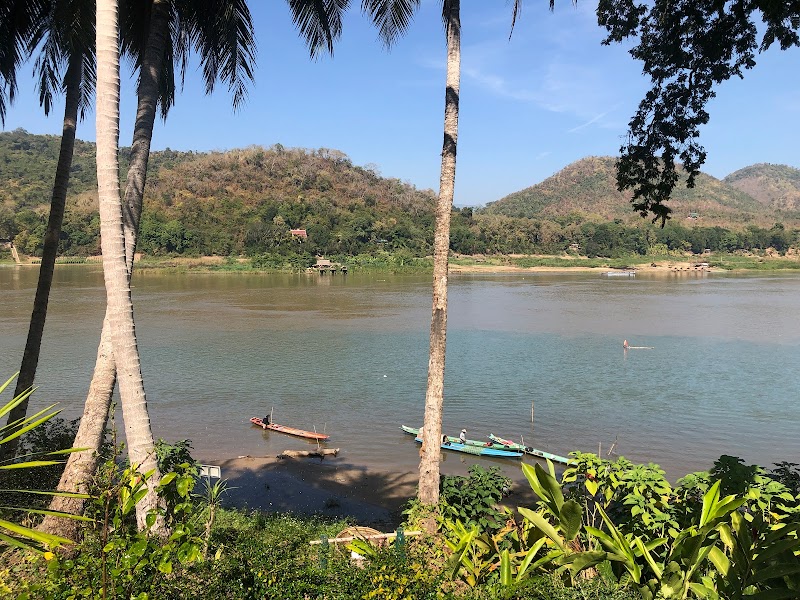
[(775, 186), (587, 190)]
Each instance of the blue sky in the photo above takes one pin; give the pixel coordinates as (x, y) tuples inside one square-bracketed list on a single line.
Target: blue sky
[(529, 106)]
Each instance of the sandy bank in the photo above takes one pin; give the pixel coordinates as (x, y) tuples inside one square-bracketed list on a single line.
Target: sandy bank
[(649, 268), (331, 487), (307, 486)]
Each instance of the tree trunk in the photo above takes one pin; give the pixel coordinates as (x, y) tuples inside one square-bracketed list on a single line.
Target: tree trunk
[(82, 465), (118, 292), (30, 357), (434, 397)]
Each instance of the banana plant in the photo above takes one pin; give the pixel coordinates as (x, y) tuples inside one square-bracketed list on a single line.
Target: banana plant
[(472, 559), (561, 522), (14, 534), (757, 559), (686, 568)]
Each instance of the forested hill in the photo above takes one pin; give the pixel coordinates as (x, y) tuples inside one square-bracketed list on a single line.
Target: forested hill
[(219, 202), (586, 190), (248, 201), (775, 186)]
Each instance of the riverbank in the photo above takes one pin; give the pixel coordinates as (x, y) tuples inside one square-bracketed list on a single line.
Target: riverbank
[(332, 487), (710, 263)]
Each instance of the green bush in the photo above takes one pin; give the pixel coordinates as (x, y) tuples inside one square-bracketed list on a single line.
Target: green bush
[(473, 499)]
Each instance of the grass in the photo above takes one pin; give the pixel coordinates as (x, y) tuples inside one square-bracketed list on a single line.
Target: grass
[(254, 555)]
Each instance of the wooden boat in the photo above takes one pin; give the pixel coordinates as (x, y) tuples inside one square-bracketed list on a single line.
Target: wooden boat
[(528, 450), (311, 435), (481, 449), (454, 440), (621, 273)]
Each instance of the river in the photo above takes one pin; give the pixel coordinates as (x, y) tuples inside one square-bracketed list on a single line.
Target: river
[(348, 355)]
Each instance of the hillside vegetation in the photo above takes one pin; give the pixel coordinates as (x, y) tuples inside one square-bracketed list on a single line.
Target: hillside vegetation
[(775, 186), (587, 190), (246, 202)]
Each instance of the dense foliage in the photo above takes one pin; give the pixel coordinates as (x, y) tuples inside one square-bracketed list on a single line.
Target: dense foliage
[(687, 48), (610, 530), (246, 202)]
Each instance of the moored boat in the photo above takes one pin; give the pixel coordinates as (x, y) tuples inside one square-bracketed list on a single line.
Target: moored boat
[(452, 439), (311, 435), (476, 448), (528, 449)]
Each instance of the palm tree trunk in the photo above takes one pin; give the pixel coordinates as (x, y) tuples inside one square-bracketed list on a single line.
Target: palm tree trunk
[(30, 357), (82, 465), (434, 397), (118, 292)]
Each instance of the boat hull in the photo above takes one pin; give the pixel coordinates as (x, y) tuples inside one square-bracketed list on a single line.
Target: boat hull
[(529, 450), (476, 449), (310, 435), (454, 440)]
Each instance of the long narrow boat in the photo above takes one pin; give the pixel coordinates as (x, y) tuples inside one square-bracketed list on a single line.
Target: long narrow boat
[(527, 449), (452, 439), (481, 449), (311, 435)]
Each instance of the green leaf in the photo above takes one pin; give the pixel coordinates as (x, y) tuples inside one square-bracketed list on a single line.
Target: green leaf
[(775, 571), (571, 517), (584, 560), (721, 562), (18, 543), (138, 548), (46, 493), (776, 594), (703, 591), (54, 513), (30, 424), (505, 568), (529, 556), (166, 479), (648, 557), (542, 525), (33, 534), (165, 566), (31, 464)]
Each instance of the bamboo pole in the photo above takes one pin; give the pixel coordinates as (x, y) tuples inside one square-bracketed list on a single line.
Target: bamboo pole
[(378, 536)]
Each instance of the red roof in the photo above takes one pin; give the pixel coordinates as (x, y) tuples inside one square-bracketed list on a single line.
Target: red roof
[(299, 232)]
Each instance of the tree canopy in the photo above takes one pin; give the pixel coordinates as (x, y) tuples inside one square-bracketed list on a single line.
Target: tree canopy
[(687, 47)]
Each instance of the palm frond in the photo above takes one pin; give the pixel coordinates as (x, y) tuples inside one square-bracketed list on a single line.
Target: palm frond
[(391, 17), (18, 25), (222, 32), (319, 22)]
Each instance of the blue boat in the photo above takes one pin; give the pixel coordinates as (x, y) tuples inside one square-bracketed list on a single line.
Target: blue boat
[(528, 450), (474, 450)]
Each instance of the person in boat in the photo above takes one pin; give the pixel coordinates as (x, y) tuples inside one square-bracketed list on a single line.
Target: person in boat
[(625, 344), (462, 437), (445, 440), (265, 420)]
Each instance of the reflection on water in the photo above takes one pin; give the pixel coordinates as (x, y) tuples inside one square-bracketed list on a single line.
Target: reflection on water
[(348, 355)]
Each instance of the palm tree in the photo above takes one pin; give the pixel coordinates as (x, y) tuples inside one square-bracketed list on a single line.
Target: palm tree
[(118, 291), (434, 396), (222, 31), (64, 30), (226, 45)]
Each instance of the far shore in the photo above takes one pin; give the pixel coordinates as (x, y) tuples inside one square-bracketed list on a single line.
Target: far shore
[(489, 264)]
